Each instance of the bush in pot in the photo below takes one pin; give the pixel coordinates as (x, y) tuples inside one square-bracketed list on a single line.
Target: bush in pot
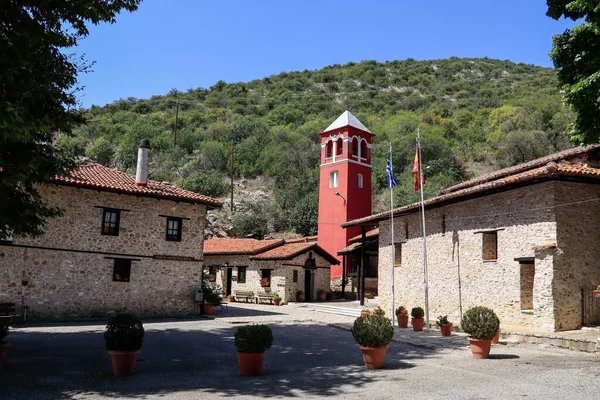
[(402, 315), (417, 314), (373, 333), (251, 342), (4, 346), (444, 324), (482, 324), (276, 299), (123, 339)]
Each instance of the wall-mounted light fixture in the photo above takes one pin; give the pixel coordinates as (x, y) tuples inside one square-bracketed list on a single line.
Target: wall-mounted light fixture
[(339, 195)]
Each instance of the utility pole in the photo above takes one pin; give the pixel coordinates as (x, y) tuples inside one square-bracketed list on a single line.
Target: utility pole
[(231, 173), (175, 129)]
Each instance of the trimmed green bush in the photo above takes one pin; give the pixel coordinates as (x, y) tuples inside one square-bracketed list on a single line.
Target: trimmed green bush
[(417, 312), (373, 331), (124, 332), (253, 338), (480, 323)]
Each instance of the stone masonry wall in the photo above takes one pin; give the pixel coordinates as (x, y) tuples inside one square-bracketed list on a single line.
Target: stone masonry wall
[(459, 278), (281, 275), (577, 254), (63, 284)]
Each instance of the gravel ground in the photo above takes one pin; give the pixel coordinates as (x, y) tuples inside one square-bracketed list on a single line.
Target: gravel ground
[(313, 356)]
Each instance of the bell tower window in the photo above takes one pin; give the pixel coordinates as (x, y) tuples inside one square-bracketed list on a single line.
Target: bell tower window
[(339, 147), (354, 147), (363, 150), (329, 149)]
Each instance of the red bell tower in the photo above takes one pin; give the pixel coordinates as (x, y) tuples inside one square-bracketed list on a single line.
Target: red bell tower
[(344, 183)]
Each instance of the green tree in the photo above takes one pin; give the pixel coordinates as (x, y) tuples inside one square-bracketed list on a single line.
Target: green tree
[(576, 54), (101, 151), (253, 222), (210, 183), (38, 98), (304, 217)]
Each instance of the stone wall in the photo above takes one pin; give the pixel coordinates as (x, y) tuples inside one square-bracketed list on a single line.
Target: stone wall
[(77, 280), (281, 274), (458, 276), (577, 254)]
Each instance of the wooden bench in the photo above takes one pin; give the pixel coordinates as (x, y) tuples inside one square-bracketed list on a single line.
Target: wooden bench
[(7, 313), (244, 294), (264, 296)]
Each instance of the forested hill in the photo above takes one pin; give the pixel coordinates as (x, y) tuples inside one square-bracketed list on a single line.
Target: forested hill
[(474, 115)]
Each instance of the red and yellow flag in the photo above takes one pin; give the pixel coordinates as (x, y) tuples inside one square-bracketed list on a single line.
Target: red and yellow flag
[(416, 169)]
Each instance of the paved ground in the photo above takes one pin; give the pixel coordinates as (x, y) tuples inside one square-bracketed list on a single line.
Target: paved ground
[(314, 356)]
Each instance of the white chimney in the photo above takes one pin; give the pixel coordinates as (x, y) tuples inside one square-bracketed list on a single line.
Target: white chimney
[(141, 175)]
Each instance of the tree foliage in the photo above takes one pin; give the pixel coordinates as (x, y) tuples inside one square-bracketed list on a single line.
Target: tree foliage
[(576, 54), (37, 98)]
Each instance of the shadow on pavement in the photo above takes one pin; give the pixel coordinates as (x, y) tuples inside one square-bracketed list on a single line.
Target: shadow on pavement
[(306, 359)]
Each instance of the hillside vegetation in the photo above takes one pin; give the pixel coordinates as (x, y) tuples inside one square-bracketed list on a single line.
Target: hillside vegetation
[(474, 115)]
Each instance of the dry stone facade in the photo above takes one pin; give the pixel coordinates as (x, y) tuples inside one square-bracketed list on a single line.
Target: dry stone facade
[(282, 274), (68, 272), (546, 265)]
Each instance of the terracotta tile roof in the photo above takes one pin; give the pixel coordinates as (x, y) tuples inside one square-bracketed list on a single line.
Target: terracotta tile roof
[(350, 249), (369, 234), (96, 176), (549, 171), (305, 239), (239, 246), (556, 157), (291, 250)]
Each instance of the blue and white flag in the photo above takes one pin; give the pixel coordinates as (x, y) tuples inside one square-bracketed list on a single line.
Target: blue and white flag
[(390, 174)]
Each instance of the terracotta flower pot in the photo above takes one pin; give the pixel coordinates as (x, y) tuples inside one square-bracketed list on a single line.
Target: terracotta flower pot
[(300, 297), (496, 338), (403, 321), (208, 309), (276, 302), (321, 296), (250, 363), (480, 348), (596, 293), (364, 314), (446, 330), (374, 356), (417, 324), (4, 346), (123, 362), (230, 299)]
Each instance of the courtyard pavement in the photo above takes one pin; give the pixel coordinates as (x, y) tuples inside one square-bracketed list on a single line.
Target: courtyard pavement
[(313, 356)]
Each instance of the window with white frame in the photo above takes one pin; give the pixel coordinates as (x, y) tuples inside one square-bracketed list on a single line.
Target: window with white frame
[(333, 179), (360, 181)]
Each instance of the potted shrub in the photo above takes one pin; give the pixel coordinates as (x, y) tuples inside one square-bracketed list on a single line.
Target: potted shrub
[(417, 314), (299, 296), (482, 324), (251, 342), (276, 299), (4, 346), (321, 295), (373, 334), (230, 299), (212, 298), (123, 339), (444, 324), (402, 315)]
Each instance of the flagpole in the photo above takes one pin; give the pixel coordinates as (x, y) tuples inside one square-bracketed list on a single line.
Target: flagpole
[(425, 277), (393, 245)]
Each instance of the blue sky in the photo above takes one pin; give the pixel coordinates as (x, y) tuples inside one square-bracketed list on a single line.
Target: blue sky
[(186, 44)]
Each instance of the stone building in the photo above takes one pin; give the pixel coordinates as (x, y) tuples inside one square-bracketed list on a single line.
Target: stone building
[(268, 266), (123, 244), (522, 240)]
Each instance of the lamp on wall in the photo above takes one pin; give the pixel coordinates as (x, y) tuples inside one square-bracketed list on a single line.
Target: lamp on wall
[(339, 195)]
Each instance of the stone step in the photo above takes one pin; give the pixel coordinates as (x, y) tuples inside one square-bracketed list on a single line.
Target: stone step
[(351, 312)]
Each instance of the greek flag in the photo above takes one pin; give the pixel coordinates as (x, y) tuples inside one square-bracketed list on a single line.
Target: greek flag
[(390, 174)]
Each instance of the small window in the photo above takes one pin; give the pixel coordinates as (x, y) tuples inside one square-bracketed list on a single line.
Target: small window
[(329, 149), (265, 278), (360, 181), (397, 254), (212, 274), (241, 275), (173, 229), (295, 276), (333, 179), (490, 246), (121, 270), (110, 222)]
